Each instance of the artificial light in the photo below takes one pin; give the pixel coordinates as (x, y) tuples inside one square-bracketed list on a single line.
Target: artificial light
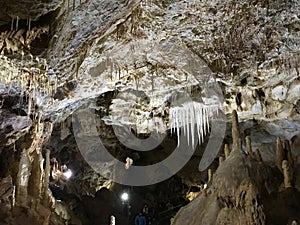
[(125, 196), (67, 174)]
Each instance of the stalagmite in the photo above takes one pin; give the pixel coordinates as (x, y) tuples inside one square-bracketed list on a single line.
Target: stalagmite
[(287, 173), (226, 151), (279, 154), (36, 177), (221, 160), (22, 179), (236, 140), (257, 155), (248, 146)]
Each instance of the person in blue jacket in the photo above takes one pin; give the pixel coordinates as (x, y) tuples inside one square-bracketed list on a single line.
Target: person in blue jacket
[(140, 219)]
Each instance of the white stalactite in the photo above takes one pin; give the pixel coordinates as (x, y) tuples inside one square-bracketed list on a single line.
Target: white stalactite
[(17, 23), (189, 115)]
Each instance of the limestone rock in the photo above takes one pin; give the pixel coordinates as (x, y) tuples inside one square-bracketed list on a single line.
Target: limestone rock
[(21, 9)]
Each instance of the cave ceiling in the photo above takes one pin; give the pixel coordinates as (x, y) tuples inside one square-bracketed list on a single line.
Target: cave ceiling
[(115, 55)]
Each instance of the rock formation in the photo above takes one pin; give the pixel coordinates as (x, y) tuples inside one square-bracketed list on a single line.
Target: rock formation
[(137, 68), (238, 192)]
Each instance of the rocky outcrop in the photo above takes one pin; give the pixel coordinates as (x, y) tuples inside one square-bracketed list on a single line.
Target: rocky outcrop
[(13, 127), (20, 9), (240, 191), (24, 195)]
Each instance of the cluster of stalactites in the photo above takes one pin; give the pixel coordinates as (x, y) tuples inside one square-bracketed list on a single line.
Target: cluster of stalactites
[(194, 118)]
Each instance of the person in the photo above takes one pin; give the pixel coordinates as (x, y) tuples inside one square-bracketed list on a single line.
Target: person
[(140, 219), (171, 220), (146, 210)]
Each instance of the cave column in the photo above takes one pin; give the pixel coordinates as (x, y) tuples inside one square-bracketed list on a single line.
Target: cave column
[(36, 177), (35, 184)]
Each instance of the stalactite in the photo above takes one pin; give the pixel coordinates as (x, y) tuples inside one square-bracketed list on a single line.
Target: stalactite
[(29, 24), (288, 153), (46, 179), (12, 24), (22, 179), (17, 23), (236, 140), (226, 151), (189, 116), (279, 154), (248, 146)]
